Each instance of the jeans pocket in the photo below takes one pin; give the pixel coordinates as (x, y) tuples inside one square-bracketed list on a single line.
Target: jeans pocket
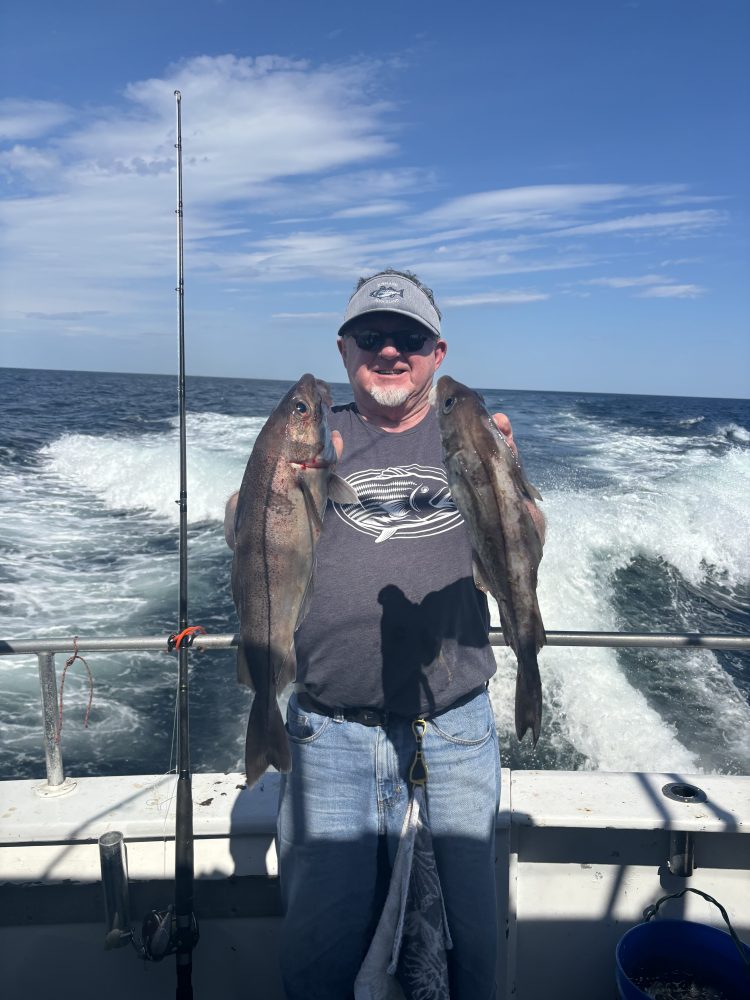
[(304, 727), (468, 725)]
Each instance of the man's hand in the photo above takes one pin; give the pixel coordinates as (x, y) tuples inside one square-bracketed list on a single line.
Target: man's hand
[(338, 444), (503, 425), (231, 507)]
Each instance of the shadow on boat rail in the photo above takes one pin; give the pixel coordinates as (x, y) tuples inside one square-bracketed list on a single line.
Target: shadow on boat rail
[(45, 650)]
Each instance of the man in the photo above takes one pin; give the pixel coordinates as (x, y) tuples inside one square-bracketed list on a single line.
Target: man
[(396, 631)]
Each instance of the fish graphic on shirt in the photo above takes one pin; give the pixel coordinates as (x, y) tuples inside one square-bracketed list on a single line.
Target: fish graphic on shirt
[(410, 501)]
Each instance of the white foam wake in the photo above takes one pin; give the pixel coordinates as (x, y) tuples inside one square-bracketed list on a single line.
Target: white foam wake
[(142, 473), (689, 517)]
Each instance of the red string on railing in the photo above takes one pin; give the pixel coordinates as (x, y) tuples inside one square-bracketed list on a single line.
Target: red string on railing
[(69, 662)]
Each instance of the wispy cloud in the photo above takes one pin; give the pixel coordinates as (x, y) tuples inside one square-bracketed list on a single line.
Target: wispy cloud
[(26, 119), (306, 315), (629, 282), (679, 261), (508, 206), (541, 206), (28, 161), (494, 299), (656, 286), (373, 209), (672, 292), (66, 317), (666, 221)]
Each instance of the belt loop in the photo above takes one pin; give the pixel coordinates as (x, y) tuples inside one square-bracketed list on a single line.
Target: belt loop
[(338, 716)]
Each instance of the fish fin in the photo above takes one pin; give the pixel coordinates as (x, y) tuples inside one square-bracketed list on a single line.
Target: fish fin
[(288, 671), (266, 743), (528, 710), (531, 490), (480, 577), (534, 542), (325, 391), (243, 667), (312, 510), (527, 489), (521, 480), (304, 607), (540, 635), (340, 491), (387, 533)]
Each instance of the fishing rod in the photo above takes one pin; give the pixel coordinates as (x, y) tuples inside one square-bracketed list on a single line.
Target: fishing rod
[(185, 936), (173, 931)]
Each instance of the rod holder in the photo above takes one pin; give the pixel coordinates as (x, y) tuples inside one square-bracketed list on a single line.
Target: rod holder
[(681, 854), (113, 860), (681, 859)]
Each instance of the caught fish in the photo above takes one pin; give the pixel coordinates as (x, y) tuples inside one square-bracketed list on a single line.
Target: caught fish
[(491, 492), (279, 516)]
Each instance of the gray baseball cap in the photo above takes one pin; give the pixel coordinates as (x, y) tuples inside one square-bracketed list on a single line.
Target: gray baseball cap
[(387, 292)]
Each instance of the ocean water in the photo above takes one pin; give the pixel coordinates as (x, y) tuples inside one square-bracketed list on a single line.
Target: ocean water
[(648, 507)]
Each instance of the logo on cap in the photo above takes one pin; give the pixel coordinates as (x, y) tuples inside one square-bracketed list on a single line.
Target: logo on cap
[(387, 290)]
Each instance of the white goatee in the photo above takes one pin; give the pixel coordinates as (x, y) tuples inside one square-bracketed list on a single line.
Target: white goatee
[(387, 396)]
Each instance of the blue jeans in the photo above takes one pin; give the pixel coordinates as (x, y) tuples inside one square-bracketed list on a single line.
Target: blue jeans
[(340, 817)]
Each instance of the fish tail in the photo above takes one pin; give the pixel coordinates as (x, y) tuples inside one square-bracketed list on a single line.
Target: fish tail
[(528, 696), (267, 743)]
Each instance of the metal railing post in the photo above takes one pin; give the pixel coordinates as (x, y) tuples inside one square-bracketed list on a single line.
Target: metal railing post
[(52, 749)]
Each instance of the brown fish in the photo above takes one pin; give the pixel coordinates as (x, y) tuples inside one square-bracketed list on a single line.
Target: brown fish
[(491, 491), (281, 503)]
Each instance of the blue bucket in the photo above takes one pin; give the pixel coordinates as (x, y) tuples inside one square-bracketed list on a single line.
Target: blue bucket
[(664, 951)]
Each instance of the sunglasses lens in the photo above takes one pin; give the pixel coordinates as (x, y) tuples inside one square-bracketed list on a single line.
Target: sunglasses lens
[(411, 342), (369, 340), (406, 341)]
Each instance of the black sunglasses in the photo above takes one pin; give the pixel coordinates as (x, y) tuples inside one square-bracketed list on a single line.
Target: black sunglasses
[(405, 341)]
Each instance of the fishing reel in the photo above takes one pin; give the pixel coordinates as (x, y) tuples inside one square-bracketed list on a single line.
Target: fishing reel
[(160, 935)]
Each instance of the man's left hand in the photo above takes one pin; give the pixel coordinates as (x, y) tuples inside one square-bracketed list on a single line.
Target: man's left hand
[(503, 425)]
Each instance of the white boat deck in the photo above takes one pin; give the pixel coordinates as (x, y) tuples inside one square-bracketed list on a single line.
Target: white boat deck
[(579, 856)]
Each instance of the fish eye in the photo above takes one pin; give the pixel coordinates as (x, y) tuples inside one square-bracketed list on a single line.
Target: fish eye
[(300, 407), (449, 403)]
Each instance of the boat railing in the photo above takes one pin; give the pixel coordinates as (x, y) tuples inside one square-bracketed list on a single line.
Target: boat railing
[(46, 649)]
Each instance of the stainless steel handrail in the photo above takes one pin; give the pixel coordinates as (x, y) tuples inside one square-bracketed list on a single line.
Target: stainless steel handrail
[(655, 640), (45, 650)]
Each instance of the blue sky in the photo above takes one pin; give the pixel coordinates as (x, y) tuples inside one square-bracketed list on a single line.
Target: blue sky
[(570, 178)]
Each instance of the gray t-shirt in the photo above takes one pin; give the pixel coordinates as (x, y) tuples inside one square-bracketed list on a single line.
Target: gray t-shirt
[(395, 620)]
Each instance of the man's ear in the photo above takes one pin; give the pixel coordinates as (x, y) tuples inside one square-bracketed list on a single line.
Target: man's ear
[(441, 349)]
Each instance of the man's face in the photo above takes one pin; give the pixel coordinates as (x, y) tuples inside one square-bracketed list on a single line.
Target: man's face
[(387, 377)]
